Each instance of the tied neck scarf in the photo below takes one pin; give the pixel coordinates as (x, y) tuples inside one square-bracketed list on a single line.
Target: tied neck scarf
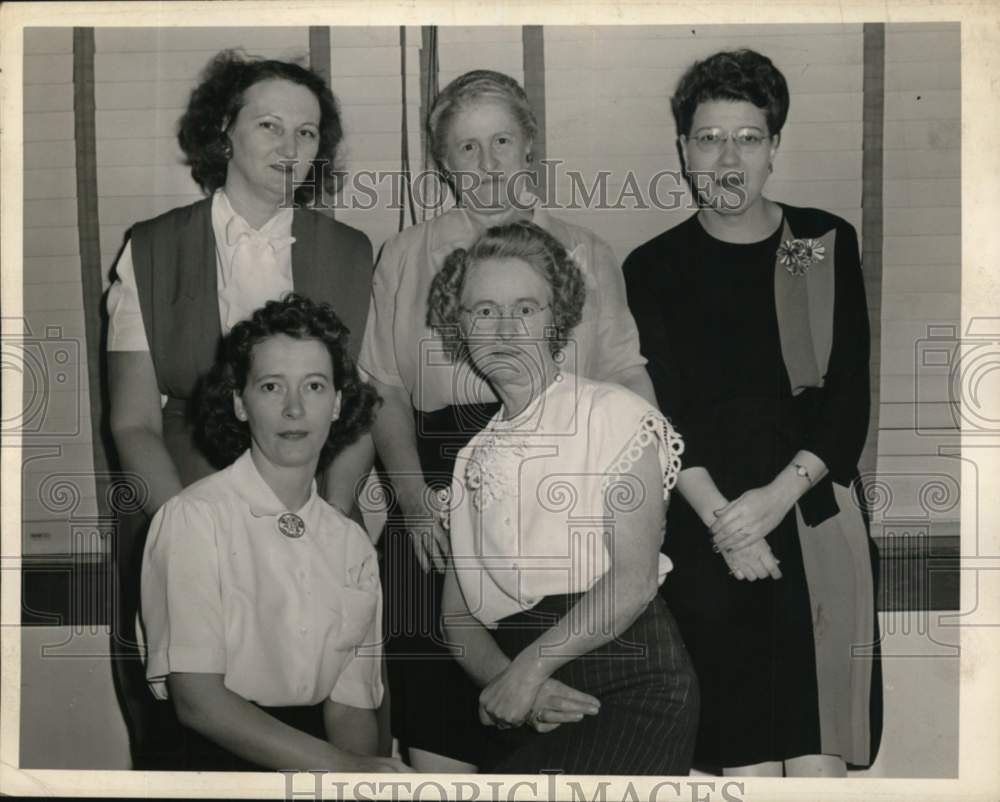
[(260, 268)]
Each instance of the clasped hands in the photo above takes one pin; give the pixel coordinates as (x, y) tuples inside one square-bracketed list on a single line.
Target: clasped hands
[(740, 527), (521, 695)]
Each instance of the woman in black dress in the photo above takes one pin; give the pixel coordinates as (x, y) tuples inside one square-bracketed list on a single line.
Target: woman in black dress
[(752, 315)]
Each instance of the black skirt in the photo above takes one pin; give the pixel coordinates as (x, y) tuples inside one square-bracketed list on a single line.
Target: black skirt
[(188, 750), (649, 701), (434, 703)]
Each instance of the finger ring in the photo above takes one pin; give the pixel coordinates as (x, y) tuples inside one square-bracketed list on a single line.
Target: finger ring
[(536, 716)]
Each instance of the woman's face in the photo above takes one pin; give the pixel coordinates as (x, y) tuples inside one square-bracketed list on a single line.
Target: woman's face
[(275, 138), (484, 148), (506, 308), (289, 401), (728, 154)]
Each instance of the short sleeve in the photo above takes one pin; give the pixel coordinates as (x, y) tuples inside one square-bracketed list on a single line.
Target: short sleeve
[(629, 425), (126, 331), (377, 357), (360, 681), (181, 595), (618, 337)]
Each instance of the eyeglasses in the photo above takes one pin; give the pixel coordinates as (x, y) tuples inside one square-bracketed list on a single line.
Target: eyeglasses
[(712, 140), (489, 311)]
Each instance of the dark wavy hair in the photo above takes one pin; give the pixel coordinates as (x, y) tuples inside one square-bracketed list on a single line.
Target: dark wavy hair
[(732, 75), (216, 102), (524, 241), (223, 436)]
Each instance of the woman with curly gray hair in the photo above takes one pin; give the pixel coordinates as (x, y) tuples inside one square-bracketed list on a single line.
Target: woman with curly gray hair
[(581, 666), (482, 132)]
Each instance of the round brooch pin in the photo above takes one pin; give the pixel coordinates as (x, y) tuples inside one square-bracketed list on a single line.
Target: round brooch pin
[(291, 525)]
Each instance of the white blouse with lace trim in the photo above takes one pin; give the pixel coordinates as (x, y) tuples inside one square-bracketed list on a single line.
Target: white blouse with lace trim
[(534, 498)]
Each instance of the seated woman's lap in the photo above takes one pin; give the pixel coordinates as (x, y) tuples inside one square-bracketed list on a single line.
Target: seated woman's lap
[(649, 702)]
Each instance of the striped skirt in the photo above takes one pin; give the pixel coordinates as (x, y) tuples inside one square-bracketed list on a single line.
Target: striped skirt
[(649, 701)]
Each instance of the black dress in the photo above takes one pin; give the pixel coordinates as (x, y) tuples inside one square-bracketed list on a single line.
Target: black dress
[(778, 679)]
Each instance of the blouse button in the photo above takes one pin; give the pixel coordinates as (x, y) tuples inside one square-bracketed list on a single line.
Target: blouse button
[(303, 630)]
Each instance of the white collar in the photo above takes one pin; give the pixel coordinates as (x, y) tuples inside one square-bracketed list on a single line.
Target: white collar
[(228, 222), (257, 493)]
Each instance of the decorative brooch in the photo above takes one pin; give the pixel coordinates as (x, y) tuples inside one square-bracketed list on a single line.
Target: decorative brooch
[(291, 525), (798, 255)]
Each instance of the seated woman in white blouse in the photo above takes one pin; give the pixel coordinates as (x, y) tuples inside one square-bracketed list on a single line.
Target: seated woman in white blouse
[(556, 519), (260, 601)]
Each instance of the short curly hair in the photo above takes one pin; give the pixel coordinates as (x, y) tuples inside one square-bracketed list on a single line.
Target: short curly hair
[(473, 87), (532, 245), (223, 437), (216, 101), (732, 75)]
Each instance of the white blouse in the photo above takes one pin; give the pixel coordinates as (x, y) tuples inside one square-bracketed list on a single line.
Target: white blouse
[(535, 496), (253, 266), (287, 621)]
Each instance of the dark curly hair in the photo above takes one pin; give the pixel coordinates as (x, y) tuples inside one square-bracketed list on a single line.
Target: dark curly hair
[(524, 241), (216, 102), (732, 75), (223, 436)]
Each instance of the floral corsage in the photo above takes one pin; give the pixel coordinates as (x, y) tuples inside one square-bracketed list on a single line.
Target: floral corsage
[(798, 255)]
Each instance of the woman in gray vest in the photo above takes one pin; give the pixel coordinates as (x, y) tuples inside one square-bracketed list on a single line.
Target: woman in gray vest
[(260, 137)]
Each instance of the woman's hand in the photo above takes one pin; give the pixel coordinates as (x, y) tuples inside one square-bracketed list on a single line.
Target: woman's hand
[(753, 562), (509, 697), (557, 703), (426, 514), (752, 516)]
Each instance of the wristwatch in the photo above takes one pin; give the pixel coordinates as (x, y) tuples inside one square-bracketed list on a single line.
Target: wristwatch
[(803, 471)]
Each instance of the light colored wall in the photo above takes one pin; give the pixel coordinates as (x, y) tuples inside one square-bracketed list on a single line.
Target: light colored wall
[(921, 274), (366, 75), (56, 401)]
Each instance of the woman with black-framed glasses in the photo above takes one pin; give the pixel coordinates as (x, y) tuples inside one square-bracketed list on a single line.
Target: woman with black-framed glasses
[(752, 315)]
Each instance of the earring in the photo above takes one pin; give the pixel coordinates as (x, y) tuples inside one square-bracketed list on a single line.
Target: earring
[(227, 149)]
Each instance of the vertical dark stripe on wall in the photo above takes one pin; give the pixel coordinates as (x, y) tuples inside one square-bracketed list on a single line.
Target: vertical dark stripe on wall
[(404, 135), (533, 39), (319, 50), (88, 225), (429, 88), (871, 210), (319, 62)]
